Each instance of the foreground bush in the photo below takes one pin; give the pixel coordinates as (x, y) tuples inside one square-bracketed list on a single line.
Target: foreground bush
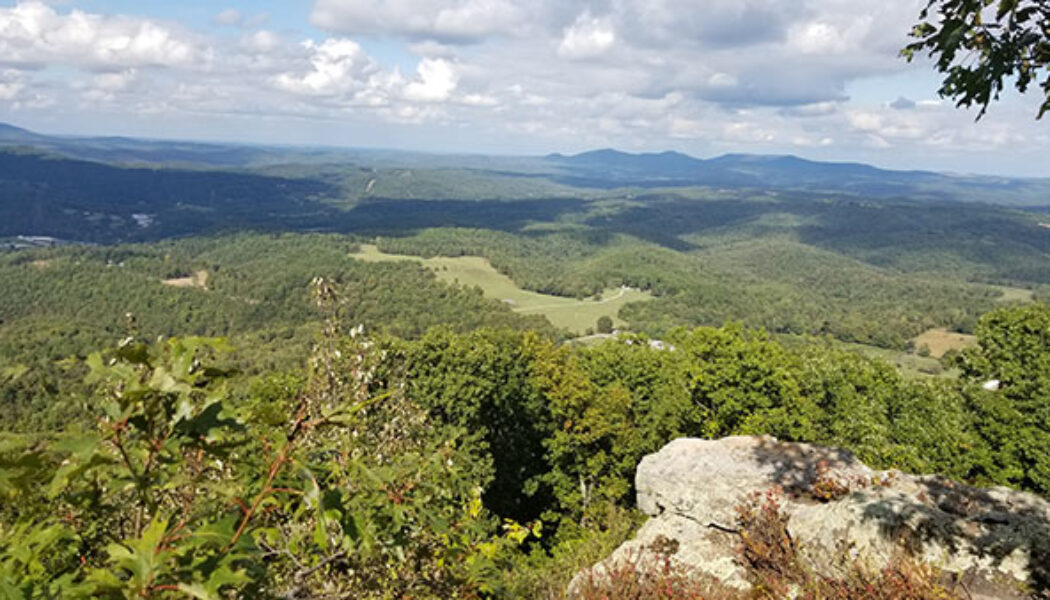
[(334, 490), (403, 469)]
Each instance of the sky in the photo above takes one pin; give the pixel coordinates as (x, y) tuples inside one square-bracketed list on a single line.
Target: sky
[(815, 78)]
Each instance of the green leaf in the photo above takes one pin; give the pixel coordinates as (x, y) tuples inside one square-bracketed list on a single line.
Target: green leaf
[(1005, 6), (162, 380), (10, 592), (73, 470), (225, 576), (105, 580), (197, 590), (215, 534), (141, 558), (13, 373)]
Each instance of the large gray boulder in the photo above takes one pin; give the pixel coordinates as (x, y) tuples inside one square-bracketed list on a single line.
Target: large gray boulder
[(996, 541)]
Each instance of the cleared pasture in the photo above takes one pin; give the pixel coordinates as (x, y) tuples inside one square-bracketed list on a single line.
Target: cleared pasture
[(198, 279), (1013, 294), (567, 313), (941, 341)]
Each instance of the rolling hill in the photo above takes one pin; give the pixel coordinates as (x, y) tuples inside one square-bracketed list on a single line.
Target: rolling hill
[(577, 174)]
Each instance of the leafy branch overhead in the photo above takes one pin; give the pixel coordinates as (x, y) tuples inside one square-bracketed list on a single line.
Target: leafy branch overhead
[(981, 46)]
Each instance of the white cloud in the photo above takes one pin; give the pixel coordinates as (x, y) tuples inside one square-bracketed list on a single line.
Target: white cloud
[(480, 100), (588, 37), (12, 82), (231, 17), (818, 38), (722, 80), (699, 75), (339, 68), (442, 19), (337, 65), (262, 42), (112, 82), (816, 109), (33, 33), (436, 82)]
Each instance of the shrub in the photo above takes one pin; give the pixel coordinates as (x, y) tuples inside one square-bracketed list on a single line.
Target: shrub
[(632, 580), (771, 556)]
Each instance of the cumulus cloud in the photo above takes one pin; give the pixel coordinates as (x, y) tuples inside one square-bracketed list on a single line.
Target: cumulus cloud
[(12, 83), (902, 103), (588, 37), (464, 20), (336, 65), (340, 69), (436, 82), (231, 17), (114, 81), (699, 75), (18, 92), (262, 42), (817, 109), (34, 34), (710, 23)]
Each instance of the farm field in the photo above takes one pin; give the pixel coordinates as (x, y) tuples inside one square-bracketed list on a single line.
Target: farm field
[(199, 279), (566, 313), (941, 341), (1013, 294), (909, 364)]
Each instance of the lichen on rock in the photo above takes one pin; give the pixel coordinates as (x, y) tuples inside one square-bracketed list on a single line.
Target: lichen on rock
[(840, 513)]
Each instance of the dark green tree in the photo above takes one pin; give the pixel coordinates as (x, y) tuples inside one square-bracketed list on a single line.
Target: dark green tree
[(982, 45), (1014, 350), (604, 324)]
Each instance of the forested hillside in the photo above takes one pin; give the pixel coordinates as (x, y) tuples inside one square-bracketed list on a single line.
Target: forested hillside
[(492, 463), (206, 390), (67, 302), (864, 269)]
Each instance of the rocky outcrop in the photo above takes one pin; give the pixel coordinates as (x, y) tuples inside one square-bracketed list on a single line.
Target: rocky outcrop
[(996, 542)]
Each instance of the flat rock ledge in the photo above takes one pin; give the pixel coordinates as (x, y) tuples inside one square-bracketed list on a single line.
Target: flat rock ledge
[(996, 541)]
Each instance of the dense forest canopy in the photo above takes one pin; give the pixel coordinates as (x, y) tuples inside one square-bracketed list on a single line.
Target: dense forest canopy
[(227, 371), (387, 465), (207, 391)]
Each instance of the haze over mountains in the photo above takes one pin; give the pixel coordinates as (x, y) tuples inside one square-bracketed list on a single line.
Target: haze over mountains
[(793, 172), (598, 169)]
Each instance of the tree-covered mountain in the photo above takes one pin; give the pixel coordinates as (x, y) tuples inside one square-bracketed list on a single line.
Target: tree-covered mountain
[(10, 133), (463, 447), (612, 168), (579, 174), (862, 268)]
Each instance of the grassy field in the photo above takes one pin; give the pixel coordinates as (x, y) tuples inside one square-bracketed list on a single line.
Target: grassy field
[(910, 365), (198, 280), (574, 315), (1012, 294), (940, 341)]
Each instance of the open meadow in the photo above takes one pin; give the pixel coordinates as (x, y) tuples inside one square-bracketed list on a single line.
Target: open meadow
[(576, 316)]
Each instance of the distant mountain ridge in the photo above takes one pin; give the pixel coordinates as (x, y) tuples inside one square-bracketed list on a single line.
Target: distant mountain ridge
[(11, 133), (613, 168), (597, 169), (677, 164)]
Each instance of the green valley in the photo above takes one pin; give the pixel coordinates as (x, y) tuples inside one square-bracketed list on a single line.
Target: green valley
[(378, 371)]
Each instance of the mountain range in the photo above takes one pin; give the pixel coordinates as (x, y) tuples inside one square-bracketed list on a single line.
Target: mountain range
[(674, 169), (598, 169)]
